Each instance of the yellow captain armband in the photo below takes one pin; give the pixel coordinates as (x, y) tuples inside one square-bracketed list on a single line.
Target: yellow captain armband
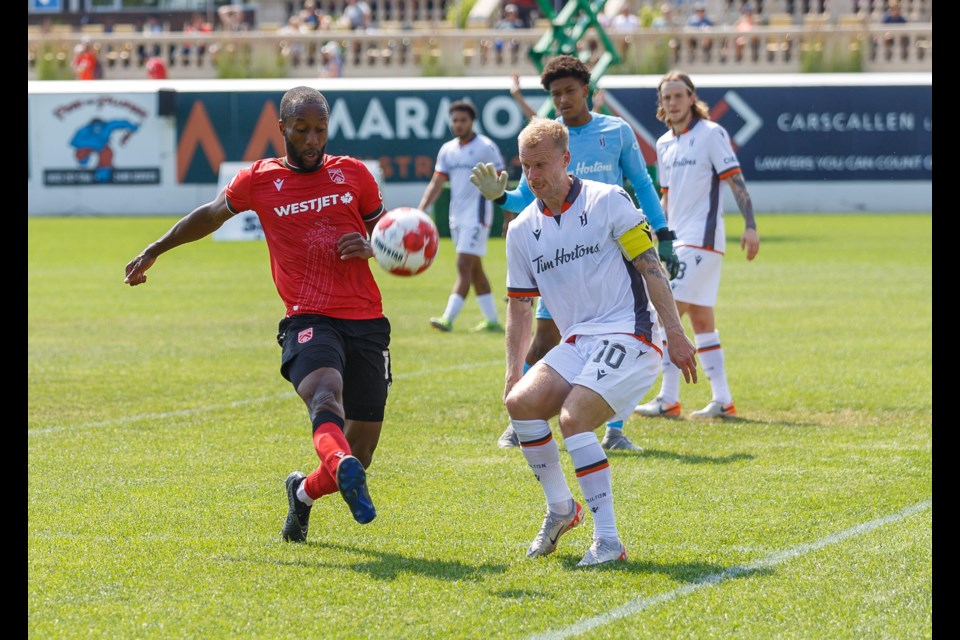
[(636, 241)]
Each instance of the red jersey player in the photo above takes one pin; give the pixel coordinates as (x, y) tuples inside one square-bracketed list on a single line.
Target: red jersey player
[(317, 212)]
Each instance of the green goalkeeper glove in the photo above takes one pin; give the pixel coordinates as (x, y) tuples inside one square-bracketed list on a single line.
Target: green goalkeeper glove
[(485, 178), (665, 250)]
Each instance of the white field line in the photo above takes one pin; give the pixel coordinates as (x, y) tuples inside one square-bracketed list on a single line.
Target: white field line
[(640, 604), (232, 405)]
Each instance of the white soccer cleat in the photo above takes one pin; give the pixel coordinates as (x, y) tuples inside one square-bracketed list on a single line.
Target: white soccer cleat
[(553, 527), (603, 551), (657, 408), (715, 409)]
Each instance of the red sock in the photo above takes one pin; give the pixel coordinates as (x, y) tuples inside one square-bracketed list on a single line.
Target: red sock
[(331, 445), (320, 483)]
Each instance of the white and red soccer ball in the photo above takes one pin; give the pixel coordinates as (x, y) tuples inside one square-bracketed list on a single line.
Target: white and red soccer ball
[(405, 241)]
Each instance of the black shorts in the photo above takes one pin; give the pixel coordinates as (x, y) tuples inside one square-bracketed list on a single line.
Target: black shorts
[(358, 349)]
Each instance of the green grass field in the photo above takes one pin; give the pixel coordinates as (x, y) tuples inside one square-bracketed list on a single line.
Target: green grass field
[(160, 432)]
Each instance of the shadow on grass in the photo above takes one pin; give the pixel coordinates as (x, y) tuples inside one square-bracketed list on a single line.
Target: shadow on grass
[(688, 572), (689, 459), (381, 565)]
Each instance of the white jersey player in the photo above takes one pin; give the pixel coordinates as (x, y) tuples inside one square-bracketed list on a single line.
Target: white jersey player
[(470, 214), (586, 249), (694, 159)]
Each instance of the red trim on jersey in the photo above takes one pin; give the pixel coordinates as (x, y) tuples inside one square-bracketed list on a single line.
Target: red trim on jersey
[(574, 337), (693, 246), (727, 174)]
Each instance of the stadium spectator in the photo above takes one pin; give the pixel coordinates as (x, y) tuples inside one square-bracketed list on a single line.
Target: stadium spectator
[(746, 21), (86, 64), (232, 18), (151, 27), (666, 20), (197, 24), (331, 60), (156, 68), (694, 158), (291, 45), (699, 20), (310, 15), (625, 21), (470, 215), (893, 16), (607, 358), (510, 19), (596, 141), (334, 336), (356, 15)]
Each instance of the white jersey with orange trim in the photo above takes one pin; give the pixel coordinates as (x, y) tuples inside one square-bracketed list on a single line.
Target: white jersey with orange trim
[(692, 167), (456, 161), (574, 262)]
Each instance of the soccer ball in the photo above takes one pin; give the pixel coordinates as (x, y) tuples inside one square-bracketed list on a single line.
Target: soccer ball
[(405, 241)]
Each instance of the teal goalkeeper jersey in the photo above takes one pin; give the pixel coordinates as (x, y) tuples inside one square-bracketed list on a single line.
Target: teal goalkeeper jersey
[(605, 150)]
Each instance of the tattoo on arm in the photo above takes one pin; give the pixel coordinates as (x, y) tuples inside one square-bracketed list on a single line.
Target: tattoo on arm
[(648, 263), (742, 196)]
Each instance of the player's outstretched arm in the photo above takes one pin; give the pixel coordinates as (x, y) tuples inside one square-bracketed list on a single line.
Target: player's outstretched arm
[(517, 94), (750, 240), (682, 352), (197, 224)]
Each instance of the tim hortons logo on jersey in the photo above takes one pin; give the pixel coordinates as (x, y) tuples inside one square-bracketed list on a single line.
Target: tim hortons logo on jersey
[(583, 169), (564, 256), (314, 204), (337, 175)]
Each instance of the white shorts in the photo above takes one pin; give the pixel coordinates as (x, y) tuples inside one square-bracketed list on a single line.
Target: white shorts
[(699, 279), (470, 238), (617, 366)]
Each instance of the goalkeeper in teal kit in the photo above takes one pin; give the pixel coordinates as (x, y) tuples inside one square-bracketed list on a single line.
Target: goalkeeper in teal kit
[(602, 148)]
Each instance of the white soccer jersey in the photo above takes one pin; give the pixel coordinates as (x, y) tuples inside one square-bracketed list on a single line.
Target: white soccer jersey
[(467, 205), (573, 261), (692, 167)]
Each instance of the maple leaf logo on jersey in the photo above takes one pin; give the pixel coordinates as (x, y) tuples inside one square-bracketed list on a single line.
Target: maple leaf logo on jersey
[(346, 198), (337, 175), (278, 183)]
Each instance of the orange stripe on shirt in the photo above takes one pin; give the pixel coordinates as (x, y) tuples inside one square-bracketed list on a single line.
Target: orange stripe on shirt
[(710, 348), (727, 174)]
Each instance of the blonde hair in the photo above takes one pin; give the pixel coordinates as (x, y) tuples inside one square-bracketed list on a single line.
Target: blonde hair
[(700, 109), (539, 129)]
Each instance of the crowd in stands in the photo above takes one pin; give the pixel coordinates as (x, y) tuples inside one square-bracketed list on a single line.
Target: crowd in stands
[(325, 52)]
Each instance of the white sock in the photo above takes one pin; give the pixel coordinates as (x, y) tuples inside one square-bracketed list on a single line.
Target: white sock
[(487, 307), (454, 305), (543, 455), (670, 385), (302, 493), (710, 354), (593, 474)]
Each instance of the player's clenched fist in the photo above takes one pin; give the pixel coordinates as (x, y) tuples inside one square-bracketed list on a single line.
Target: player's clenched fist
[(484, 176)]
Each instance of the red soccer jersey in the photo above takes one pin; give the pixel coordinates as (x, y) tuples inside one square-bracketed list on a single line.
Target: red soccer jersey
[(303, 214)]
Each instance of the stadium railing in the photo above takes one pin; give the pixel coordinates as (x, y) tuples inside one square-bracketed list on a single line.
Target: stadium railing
[(847, 46)]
